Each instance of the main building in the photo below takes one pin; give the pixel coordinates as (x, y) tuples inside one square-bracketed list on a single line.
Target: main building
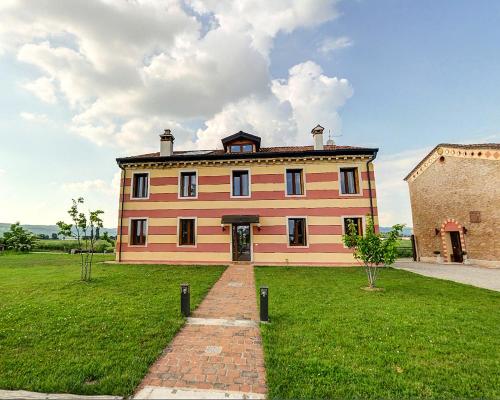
[(244, 203)]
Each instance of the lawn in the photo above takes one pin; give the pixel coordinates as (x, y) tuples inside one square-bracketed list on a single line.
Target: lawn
[(421, 337), (58, 334)]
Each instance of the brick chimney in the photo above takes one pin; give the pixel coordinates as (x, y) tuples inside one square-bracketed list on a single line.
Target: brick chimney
[(166, 143), (317, 133)]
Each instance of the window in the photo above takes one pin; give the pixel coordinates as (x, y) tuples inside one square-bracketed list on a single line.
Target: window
[(349, 183), (186, 232), (241, 148), (140, 186), (357, 221), (138, 232), (188, 184), (297, 232), (241, 183), (294, 182)]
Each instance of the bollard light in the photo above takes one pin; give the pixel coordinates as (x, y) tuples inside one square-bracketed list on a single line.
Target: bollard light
[(264, 303), (185, 301)]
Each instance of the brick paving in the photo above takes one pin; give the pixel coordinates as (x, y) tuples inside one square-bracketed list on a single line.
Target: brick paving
[(221, 357)]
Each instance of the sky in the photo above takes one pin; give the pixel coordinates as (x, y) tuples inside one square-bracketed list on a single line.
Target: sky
[(85, 81)]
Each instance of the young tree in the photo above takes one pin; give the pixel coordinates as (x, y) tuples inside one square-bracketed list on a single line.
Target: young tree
[(84, 230), (372, 249), (19, 239)]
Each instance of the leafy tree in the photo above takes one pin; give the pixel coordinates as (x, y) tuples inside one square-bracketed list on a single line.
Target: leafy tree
[(54, 236), (19, 239), (85, 230), (372, 249)]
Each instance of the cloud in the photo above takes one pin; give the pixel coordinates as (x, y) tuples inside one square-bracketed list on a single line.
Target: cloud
[(43, 88), (35, 118), (330, 44), (128, 69), (288, 112)]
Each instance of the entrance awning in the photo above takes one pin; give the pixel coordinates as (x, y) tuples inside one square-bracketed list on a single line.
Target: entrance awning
[(240, 219)]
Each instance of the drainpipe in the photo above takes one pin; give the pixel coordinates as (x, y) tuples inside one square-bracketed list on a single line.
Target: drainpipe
[(121, 213), (370, 186)]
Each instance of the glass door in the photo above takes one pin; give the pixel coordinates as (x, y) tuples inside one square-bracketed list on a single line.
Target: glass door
[(241, 242)]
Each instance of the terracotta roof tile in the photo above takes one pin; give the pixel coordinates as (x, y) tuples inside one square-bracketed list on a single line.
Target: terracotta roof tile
[(278, 149)]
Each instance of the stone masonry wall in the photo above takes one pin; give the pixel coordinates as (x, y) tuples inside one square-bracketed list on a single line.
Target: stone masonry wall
[(450, 189)]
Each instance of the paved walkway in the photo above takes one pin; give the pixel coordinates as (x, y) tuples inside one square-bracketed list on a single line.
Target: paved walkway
[(24, 394), (486, 278), (218, 353)]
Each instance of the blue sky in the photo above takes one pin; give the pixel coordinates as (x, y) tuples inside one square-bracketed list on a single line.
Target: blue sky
[(75, 93)]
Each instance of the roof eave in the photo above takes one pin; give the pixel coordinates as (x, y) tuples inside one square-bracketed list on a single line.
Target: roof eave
[(239, 156)]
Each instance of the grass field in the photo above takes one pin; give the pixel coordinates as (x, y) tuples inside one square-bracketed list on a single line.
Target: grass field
[(58, 334), (421, 337), (66, 245)]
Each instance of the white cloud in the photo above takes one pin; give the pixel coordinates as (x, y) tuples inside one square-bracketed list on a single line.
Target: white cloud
[(34, 117), (287, 113), (127, 69), (331, 44), (43, 88)]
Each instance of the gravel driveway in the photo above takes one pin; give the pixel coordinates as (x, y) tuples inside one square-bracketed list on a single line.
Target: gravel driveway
[(487, 278)]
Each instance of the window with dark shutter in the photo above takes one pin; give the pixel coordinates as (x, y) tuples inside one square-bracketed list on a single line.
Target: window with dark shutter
[(186, 232), (294, 182), (241, 183), (297, 232), (188, 184), (140, 186), (138, 232), (349, 181), (358, 223)]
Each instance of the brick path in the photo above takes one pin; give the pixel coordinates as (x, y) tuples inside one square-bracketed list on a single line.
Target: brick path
[(219, 350)]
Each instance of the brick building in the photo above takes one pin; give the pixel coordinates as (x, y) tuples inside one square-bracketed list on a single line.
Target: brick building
[(455, 201), (244, 202)]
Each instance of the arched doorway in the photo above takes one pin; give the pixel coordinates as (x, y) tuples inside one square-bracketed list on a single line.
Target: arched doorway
[(452, 240)]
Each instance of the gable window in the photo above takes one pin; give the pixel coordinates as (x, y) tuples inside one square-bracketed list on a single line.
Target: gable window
[(187, 232), (241, 183), (294, 182), (297, 232), (358, 223), (241, 148), (140, 185), (349, 180), (188, 184), (138, 232)]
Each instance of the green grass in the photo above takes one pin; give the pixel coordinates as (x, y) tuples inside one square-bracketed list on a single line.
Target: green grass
[(66, 245), (58, 334), (421, 337)]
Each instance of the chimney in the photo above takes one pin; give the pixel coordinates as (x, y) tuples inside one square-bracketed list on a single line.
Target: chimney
[(317, 133), (166, 143)]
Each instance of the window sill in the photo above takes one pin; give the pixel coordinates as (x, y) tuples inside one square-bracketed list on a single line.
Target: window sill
[(350, 194), (139, 198)]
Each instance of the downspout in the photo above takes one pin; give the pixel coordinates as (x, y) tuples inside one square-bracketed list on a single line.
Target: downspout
[(370, 186), (121, 213)]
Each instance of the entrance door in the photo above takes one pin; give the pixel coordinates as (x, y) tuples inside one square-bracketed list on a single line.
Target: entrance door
[(456, 247), (241, 242)]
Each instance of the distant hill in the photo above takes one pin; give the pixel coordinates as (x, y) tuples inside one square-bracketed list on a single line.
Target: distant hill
[(47, 229), (407, 231)]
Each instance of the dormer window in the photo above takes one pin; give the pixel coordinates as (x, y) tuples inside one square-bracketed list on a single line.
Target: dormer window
[(241, 142), (241, 148)]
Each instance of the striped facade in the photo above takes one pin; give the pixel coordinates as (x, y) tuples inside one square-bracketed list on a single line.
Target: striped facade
[(322, 205)]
